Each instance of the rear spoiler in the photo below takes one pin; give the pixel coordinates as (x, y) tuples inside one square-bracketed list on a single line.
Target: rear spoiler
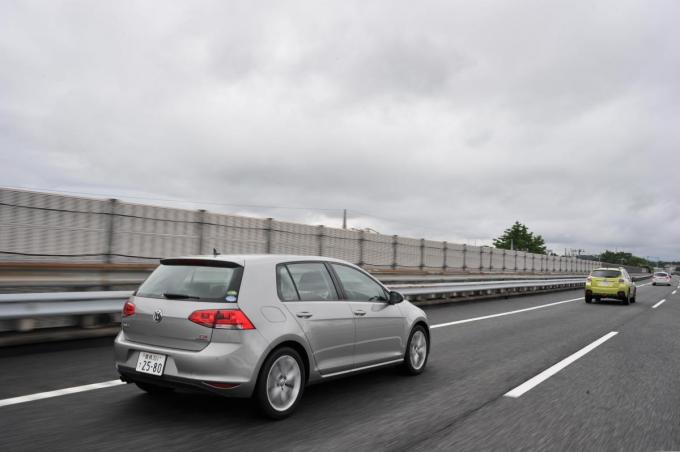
[(200, 262)]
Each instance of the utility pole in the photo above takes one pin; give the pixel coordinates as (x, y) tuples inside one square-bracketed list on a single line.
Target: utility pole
[(344, 218)]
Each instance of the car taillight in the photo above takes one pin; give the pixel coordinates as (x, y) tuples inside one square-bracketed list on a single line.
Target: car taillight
[(128, 309), (622, 280), (231, 319)]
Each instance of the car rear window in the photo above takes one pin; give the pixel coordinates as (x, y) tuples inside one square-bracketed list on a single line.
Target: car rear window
[(605, 273), (193, 281), (661, 274)]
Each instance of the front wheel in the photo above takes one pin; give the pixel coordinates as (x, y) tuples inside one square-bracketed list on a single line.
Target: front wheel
[(589, 298), (281, 383), (633, 298), (417, 351)]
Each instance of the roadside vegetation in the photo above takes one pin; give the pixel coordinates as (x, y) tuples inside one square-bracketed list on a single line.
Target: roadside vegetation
[(518, 237)]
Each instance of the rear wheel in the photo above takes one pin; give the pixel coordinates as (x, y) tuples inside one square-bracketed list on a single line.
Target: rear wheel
[(153, 389), (626, 298), (633, 298), (281, 383), (589, 298), (417, 351)]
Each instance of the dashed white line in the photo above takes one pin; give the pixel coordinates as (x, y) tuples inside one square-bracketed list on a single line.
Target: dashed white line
[(59, 392), (501, 314), (659, 304), (549, 372), (674, 292), (108, 384)]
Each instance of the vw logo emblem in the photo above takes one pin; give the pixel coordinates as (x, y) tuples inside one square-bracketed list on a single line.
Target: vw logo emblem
[(157, 316)]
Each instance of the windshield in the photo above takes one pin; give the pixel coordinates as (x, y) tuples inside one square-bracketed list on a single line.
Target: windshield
[(193, 282), (661, 274), (606, 274)]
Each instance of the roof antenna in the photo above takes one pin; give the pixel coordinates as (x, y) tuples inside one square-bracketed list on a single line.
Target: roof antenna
[(215, 253)]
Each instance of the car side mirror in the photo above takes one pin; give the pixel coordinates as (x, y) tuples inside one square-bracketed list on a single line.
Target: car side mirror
[(395, 297)]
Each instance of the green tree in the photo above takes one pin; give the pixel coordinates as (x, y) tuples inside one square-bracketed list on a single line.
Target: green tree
[(623, 258), (518, 237)]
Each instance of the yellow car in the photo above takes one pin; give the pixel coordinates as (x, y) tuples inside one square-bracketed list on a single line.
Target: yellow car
[(610, 283)]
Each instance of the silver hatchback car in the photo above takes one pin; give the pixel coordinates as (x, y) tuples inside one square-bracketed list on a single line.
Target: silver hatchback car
[(264, 326)]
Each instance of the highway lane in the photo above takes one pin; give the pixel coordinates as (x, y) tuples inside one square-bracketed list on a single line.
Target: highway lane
[(459, 402), (622, 396), (29, 369)]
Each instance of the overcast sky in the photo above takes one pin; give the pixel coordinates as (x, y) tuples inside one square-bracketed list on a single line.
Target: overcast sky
[(446, 120)]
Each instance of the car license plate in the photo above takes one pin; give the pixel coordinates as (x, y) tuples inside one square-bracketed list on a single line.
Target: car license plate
[(605, 283), (151, 363)]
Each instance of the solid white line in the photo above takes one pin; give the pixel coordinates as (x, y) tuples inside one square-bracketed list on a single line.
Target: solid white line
[(549, 372), (107, 384), (659, 304), (643, 285), (59, 392), (501, 314)]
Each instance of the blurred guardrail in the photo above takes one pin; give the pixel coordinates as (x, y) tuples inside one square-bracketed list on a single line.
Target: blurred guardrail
[(24, 312), (445, 292), (61, 277)]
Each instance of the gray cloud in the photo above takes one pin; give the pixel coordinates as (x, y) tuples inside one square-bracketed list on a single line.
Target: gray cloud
[(446, 120)]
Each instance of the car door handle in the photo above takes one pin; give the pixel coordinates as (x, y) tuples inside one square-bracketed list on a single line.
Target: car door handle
[(304, 314), (359, 312)]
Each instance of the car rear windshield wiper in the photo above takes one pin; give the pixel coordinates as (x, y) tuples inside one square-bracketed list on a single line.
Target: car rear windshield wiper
[(180, 296)]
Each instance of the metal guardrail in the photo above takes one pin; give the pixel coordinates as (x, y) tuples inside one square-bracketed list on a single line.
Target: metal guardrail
[(27, 311), (455, 289), (31, 305)]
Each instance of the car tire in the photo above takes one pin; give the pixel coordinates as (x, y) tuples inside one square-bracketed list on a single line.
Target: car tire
[(281, 383), (626, 299), (417, 351), (153, 389), (633, 299), (589, 298)]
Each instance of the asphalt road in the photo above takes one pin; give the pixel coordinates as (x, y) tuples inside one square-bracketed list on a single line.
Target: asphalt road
[(622, 395)]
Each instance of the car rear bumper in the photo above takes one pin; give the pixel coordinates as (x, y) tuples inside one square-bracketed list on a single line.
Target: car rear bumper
[(614, 292), (227, 363), (664, 282)]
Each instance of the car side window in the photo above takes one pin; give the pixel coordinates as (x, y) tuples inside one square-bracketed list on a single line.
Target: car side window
[(286, 287), (313, 282), (359, 286)]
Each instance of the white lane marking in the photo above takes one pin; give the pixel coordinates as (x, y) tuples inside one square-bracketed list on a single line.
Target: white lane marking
[(549, 372), (674, 292), (643, 285), (107, 384), (59, 392), (659, 304), (501, 314)]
